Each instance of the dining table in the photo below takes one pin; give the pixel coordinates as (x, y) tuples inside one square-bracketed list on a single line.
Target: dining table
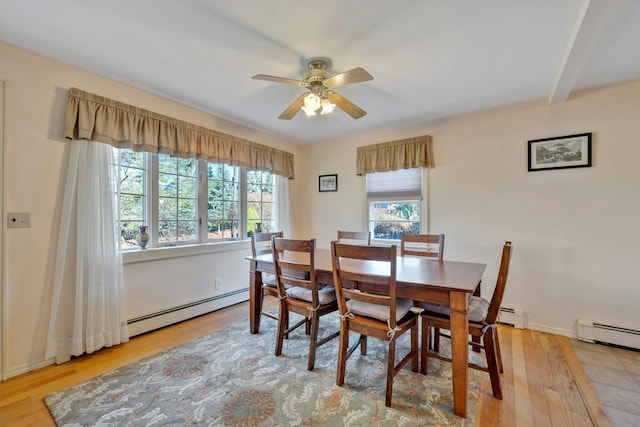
[(421, 279)]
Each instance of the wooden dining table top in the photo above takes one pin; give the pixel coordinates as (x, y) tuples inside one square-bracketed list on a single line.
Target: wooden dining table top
[(410, 270)]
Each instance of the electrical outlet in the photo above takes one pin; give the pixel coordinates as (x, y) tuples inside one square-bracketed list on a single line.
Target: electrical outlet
[(218, 283), (18, 220)]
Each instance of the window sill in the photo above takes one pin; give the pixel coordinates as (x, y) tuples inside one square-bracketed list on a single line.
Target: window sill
[(171, 252)]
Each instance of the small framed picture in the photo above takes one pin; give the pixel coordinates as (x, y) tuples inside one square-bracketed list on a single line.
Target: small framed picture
[(570, 151), (327, 183)]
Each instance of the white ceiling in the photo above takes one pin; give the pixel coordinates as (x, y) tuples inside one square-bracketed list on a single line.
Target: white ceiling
[(429, 58)]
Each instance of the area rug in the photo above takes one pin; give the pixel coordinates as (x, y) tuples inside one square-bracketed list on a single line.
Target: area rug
[(232, 378)]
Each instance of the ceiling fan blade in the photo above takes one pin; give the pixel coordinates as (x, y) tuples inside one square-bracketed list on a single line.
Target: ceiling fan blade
[(278, 79), (345, 105), (293, 108), (356, 75)]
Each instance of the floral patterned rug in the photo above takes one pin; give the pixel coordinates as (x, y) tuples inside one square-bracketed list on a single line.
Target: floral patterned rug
[(232, 378)]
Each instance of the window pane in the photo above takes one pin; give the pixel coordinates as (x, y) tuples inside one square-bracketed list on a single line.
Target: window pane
[(167, 208), (186, 231), (391, 219), (187, 187), (167, 185), (167, 164), (187, 209), (167, 232), (223, 200), (259, 202), (131, 198), (128, 233), (188, 167), (131, 180), (131, 207), (178, 199)]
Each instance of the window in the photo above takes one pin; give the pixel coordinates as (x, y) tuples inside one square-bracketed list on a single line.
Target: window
[(189, 201), (395, 203), (177, 200), (131, 195), (260, 209), (223, 201)]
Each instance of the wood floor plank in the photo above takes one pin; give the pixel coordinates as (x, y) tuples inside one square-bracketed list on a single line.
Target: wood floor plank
[(524, 417), (532, 360), (535, 375), (592, 403)]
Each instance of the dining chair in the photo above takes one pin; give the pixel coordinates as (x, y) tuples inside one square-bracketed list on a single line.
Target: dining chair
[(422, 245), (369, 306), (353, 236), (483, 316), (261, 244), (300, 293)]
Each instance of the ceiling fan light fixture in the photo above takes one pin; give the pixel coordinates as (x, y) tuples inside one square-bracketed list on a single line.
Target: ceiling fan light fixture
[(327, 106), (308, 111), (311, 101)]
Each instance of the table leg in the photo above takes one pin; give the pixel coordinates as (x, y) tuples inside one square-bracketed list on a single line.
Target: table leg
[(459, 351), (255, 297), (474, 339)]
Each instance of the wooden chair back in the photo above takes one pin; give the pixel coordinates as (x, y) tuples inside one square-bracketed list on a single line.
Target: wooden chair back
[(363, 236), (501, 283), (295, 265), (379, 281), (421, 245), (261, 242)]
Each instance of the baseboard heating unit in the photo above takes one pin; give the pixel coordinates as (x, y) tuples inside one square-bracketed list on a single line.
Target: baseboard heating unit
[(602, 333), (163, 318), (513, 316)]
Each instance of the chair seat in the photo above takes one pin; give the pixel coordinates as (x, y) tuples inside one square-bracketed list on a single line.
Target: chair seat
[(269, 280), (326, 294), (478, 309), (380, 312)]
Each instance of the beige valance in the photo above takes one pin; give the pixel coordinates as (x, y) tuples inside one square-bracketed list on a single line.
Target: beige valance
[(389, 156), (96, 118)]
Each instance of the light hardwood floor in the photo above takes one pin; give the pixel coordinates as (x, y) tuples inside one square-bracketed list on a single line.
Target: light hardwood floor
[(544, 382)]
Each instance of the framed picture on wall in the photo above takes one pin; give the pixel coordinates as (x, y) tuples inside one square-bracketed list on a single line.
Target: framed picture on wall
[(328, 183), (570, 151)]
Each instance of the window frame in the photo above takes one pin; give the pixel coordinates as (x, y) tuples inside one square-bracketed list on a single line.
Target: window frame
[(423, 200), (202, 243)]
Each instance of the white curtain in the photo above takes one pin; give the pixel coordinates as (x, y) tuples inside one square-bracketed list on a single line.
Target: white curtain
[(284, 219), (88, 307)]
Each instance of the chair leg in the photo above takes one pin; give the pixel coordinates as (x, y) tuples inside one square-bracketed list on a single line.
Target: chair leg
[(498, 353), (424, 348), (391, 364), (313, 340), (492, 362), (363, 345), (414, 348), (342, 353), (283, 321), (436, 340), (307, 326)]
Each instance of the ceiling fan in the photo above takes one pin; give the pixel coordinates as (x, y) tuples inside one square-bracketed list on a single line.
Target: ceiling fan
[(320, 95)]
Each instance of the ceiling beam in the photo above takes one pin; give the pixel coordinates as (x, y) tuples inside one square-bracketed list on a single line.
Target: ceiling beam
[(594, 20)]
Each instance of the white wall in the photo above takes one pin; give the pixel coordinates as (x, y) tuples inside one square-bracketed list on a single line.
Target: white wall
[(36, 97), (575, 231)]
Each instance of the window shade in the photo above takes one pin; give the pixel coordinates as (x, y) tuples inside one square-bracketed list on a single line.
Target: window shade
[(96, 118), (395, 185)]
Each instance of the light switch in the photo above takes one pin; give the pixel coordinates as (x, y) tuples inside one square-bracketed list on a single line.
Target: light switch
[(18, 220)]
